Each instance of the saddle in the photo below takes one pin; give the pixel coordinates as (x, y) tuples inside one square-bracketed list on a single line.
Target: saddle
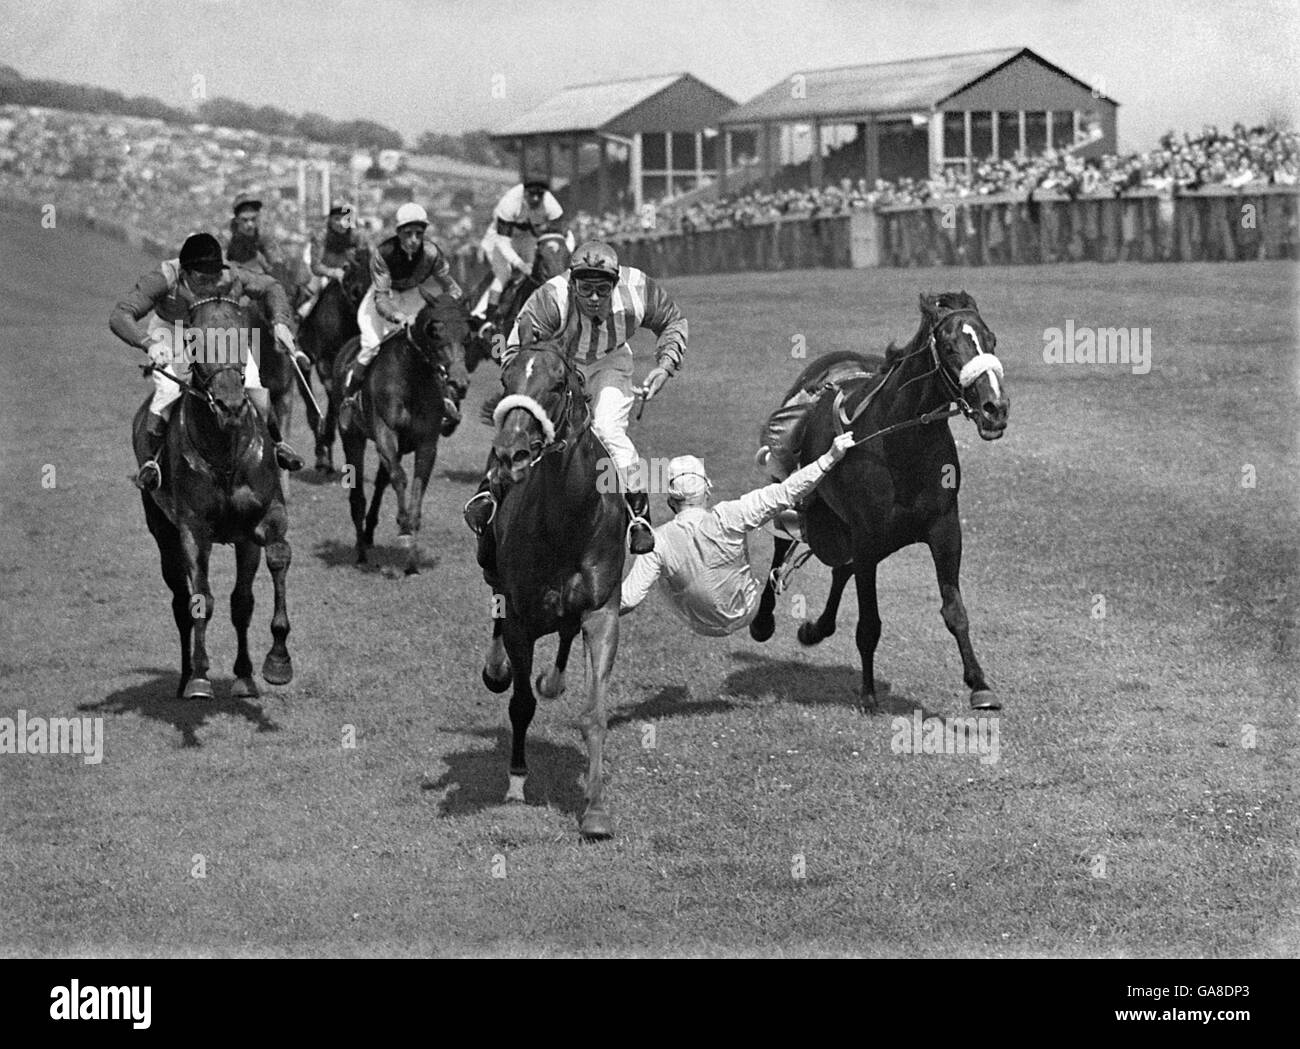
[(782, 434)]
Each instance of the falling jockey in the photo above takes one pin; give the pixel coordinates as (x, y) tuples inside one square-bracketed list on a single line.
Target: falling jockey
[(166, 294)]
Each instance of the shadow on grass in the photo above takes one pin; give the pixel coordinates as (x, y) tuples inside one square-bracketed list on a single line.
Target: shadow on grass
[(156, 698), (464, 476), (672, 701), (477, 779), (384, 559), (793, 681)]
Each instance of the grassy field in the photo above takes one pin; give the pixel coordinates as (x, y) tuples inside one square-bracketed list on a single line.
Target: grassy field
[(1125, 815)]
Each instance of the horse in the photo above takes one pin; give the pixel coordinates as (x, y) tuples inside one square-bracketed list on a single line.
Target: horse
[(899, 484), (551, 259), (221, 484), (559, 539), (330, 324), (401, 410)]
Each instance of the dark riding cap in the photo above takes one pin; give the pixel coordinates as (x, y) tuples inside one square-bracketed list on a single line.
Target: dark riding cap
[(594, 259), (536, 180), (341, 207), (245, 201), (201, 252)]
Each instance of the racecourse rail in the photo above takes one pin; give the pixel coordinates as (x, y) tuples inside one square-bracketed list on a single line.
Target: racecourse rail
[(1211, 224)]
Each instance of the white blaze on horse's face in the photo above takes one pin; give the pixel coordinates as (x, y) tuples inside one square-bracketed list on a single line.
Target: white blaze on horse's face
[(528, 369), (977, 366)]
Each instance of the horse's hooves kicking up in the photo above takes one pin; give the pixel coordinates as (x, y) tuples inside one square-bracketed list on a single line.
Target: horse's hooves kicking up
[(197, 688), (597, 826), (244, 688), (762, 627), (277, 670), (497, 684), (984, 699)]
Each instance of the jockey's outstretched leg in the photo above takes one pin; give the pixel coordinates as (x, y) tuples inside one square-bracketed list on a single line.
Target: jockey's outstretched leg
[(260, 398), (609, 381)]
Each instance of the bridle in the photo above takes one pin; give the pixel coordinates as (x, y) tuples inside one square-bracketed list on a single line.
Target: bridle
[(955, 387), (200, 387), (573, 377)]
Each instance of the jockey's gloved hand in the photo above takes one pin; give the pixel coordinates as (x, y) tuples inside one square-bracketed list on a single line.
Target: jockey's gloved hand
[(159, 349), (654, 382), (840, 447), (337, 273)]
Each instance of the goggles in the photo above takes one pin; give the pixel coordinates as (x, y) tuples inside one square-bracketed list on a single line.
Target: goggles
[(586, 287)]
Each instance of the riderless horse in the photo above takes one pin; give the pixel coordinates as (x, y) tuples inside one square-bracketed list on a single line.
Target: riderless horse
[(220, 484), (418, 368), (559, 550), (899, 484)]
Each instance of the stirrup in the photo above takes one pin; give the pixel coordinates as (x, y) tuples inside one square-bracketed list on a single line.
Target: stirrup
[(479, 529), (287, 458), (779, 577), (144, 485), (650, 531)]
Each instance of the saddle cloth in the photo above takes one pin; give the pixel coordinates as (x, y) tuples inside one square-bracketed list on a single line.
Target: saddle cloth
[(782, 434)]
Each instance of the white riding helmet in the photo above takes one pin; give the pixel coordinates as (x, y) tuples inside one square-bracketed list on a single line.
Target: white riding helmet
[(411, 213), (686, 478)]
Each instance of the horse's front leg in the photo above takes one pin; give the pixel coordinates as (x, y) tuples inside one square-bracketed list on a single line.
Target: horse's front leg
[(196, 544), (523, 705), (812, 632), (425, 456), (391, 458), (944, 541), (277, 668), (868, 633), (600, 639), (551, 684), (763, 625), (496, 666), (354, 451), (248, 556)]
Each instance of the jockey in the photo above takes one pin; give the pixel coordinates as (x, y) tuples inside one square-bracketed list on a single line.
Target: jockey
[(245, 244), (168, 292), (701, 556), (401, 267), (521, 216), (333, 248), (602, 304)]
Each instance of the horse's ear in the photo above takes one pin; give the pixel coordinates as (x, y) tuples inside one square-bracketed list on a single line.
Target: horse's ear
[(928, 303), (526, 336)]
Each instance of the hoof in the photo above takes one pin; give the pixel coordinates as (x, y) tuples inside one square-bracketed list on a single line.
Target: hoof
[(597, 826), (244, 688), (984, 699), (762, 627), (869, 704), (497, 684), (197, 688), (411, 569), (515, 792), (809, 635), (361, 555), (539, 686), (277, 670)]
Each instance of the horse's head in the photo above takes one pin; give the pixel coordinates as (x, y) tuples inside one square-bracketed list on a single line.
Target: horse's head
[(440, 332), (356, 276), (963, 348), (552, 257), (544, 393), (218, 335)]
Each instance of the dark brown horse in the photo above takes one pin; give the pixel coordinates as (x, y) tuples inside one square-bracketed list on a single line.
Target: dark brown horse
[(551, 259), (322, 333), (899, 485), (402, 411), (559, 555), (221, 484)]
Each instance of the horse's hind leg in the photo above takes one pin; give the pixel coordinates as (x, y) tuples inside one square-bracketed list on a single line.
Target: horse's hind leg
[(550, 685), (600, 638), (277, 668), (376, 499), (197, 548), (944, 541), (391, 457), (868, 634), (763, 625), (523, 705), (177, 580), (248, 555), (354, 450), (812, 632)]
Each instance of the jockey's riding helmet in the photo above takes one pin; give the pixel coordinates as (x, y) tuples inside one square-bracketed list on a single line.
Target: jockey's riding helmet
[(246, 201), (201, 252), (536, 181), (340, 207), (594, 259), (686, 478), (411, 214)]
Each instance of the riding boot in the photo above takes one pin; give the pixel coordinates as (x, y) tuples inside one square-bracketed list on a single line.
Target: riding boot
[(284, 453), (149, 476), (640, 538)]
